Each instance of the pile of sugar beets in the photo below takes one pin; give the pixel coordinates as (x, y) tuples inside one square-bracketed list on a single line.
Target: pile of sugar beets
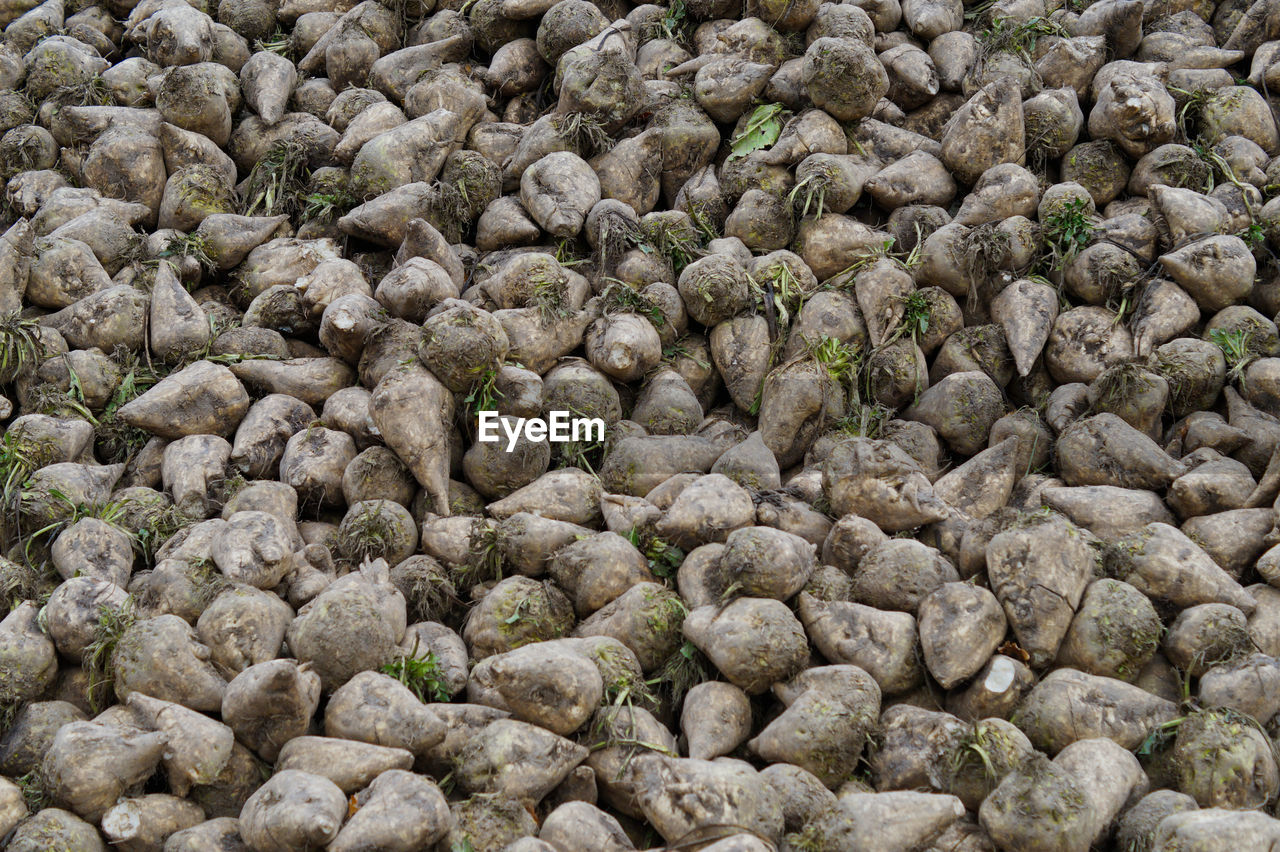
[(934, 507)]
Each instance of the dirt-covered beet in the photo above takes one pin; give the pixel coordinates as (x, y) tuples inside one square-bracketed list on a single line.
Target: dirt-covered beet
[(557, 425)]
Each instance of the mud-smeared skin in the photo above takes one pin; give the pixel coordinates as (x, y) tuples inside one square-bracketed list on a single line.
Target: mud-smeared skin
[(342, 635), (291, 810), (936, 356), (89, 765), (1223, 761), (1048, 794), (1039, 574), (1094, 699)]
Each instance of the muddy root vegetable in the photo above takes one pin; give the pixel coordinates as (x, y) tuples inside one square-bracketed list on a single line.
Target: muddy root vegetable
[(198, 747), (412, 409), (293, 810), (205, 398), (517, 759), (857, 476), (732, 792), (734, 638), (809, 735), (160, 657), (398, 811), (89, 765), (270, 703)]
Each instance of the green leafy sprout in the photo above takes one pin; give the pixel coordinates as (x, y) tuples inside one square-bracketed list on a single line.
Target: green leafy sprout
[(678, 350), (421, 674), (810, 193), (548, 283), (49, 398), (567, 252), (842, 361), (62, 512), (187, 245), (279, 43), (25, 581), (863, 258), (117, 441), (278, 180), (681, 672), (366, 536), (112, 624), (20, 344), (584, 132), (620, 297), (788, 291), (615, 235), (485, 560), (1161, 735), (917, 312), (1009, 35), (19, 458), (325, 206), (673, 25), (207, 582), (865, 421), (1236, 346), (762, 130), (519, 611), (33, 791), (680, 241), (664, 558), (624, 685), (808, 839), (1067, 230), (152, 525), (584, 455), (1193, 102), (1254, 236), (484, 394)]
